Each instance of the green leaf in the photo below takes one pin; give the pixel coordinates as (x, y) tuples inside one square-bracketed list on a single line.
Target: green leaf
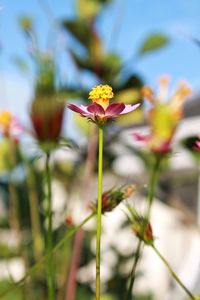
[(80, 29), (88, 9), (109, 65), (153, 42), (133, 81)]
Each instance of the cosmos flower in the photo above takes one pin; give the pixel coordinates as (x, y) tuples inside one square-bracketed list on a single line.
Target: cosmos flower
[(101, 110), (9, 125), (164, 116)]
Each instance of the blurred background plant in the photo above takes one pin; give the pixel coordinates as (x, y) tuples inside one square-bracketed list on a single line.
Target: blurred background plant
[(78, 43)]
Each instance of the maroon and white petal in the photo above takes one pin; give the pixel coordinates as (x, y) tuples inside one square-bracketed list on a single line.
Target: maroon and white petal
[(81, 109), (128, 108), (96, 109), (115, 109)]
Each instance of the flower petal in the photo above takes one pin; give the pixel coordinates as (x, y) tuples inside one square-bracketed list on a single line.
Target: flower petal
[(128, 108), (81, 109), (198, 144), (115, 109), (96, 109), (141, 137)]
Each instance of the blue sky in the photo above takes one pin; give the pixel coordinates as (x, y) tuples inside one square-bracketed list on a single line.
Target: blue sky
[(179, 19)]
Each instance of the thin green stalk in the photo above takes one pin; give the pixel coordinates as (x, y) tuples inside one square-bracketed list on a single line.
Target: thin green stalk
[(71, 285), (153, 183), (151, 192), (43, 259), (198, 195), (49, 245), (133, 271), (99, 207), (174, 275), (38, 244)]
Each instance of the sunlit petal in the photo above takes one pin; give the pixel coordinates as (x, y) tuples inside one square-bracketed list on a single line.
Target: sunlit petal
[(115, 109), (128, 108), (81, 109)]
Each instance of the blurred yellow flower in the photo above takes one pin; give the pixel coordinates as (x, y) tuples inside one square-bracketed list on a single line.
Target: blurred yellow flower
[(5, 118), (165, 114), (9, 125)]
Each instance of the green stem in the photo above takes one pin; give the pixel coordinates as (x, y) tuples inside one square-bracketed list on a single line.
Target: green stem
[(43, 259), (198, 195), (151, 192), (132, 275), (38, 244), (153, 183), (99, 207), (49, 247), (191, 296)]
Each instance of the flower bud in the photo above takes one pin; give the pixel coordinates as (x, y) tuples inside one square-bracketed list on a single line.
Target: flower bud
[(47, 118), (113, 197), (143, 229)]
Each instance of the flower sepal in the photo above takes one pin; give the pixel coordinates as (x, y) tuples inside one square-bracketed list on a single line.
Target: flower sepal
[(143, 230), (113, 197), (141, 226)]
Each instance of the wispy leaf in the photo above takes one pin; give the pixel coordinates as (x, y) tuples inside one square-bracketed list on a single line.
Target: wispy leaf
[(153, 42)]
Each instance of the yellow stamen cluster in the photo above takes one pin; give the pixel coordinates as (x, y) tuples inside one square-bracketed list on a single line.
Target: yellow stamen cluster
[(5, 118), (101, 94)]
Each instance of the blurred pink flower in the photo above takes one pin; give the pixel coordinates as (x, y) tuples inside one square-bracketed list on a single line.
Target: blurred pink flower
[(101, 110), (197, 145), (157, 147)]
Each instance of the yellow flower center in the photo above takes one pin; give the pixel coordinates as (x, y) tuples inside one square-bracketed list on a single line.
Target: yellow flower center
[(5, 119), (101, 94)]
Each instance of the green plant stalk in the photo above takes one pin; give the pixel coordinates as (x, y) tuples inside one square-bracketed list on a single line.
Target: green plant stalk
[(71, 285), (38, 244), (174, 275), (133, 271), (15, 211), (198, 195), (49, 238), (151, 192), (153, 184), (43, 259), (99, 208), (14, 207)]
